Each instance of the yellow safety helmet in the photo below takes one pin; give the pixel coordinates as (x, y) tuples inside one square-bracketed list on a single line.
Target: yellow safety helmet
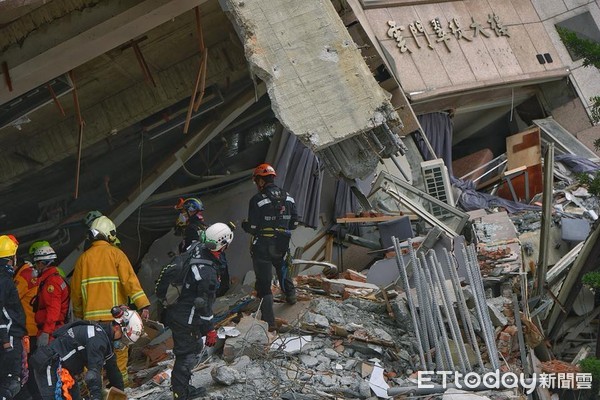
[(8, 247), (104, 226)]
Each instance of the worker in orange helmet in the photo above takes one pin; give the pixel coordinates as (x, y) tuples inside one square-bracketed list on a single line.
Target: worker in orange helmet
[(272, 216)]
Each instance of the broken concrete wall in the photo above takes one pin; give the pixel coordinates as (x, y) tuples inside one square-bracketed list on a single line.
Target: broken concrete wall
[(320, 87)]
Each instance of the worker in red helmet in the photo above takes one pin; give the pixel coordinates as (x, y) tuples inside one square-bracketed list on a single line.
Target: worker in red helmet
[(272, 216)]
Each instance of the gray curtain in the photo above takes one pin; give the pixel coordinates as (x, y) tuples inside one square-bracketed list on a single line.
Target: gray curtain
[(299, 172), (437, 127), (345, 201)]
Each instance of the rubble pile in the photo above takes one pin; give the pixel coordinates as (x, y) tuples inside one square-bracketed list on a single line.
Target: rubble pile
[(491, 290), (337, 349)]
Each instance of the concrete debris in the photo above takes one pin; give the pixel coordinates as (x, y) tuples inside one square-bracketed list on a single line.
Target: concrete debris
[(252, 341), (225, 375), (456, 304)]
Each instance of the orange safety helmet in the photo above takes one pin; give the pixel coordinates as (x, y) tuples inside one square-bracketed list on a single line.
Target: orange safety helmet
[(264, 170)]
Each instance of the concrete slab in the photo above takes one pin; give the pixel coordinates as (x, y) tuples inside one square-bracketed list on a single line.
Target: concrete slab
[(320, 87)]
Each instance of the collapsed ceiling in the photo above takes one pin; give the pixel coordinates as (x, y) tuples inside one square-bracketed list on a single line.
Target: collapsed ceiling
[(96, 102)]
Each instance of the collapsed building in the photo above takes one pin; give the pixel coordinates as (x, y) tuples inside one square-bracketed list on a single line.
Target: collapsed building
[(432, 147)]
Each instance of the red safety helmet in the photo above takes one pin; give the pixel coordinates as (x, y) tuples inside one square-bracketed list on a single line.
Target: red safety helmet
[(264, 170)]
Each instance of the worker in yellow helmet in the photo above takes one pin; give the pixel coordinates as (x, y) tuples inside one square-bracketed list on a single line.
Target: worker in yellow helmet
[(103, 278), (12, 321)]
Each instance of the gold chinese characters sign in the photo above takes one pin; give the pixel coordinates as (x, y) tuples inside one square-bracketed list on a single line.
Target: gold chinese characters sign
[(419, 32)]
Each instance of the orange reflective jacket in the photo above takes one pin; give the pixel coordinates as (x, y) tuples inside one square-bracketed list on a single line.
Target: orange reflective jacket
[(27, 286)]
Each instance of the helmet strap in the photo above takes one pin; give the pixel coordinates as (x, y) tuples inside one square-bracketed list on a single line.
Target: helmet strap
[(260, 182)]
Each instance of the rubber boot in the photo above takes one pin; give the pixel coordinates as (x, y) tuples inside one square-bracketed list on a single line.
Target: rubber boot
[(266, 311), (196, 392), (290, 297)]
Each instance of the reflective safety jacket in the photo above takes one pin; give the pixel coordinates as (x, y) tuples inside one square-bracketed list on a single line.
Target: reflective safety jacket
[(52, 301), (103, 277), (12, 317), (81, 346), (27, 286), (194, 307), (270, 211)]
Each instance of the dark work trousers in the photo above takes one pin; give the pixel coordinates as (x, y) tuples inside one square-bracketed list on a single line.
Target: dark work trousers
[(46, 380), (266, 254), (11, 368), (30, 389), (223, 276), (186, 347)]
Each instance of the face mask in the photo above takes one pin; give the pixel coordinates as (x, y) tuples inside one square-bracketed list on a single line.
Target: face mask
[(182, 220)]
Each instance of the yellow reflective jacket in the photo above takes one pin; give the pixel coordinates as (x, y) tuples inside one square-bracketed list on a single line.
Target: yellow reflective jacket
[(103, 277), (27, 286)]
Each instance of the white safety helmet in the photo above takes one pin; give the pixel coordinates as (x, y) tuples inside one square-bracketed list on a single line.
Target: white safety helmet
[(219, 235), (131, 323), (44, 253), (105, 227)]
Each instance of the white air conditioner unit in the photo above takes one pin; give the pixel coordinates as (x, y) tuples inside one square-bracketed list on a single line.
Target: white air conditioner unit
[(437, 184)]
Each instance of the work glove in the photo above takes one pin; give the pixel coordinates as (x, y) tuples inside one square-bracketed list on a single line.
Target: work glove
[(246, 226), (211, 338), (145, 313), (43, 339), (7, 347)]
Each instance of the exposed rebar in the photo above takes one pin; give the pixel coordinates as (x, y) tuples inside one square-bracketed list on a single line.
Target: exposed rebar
[(440, 280), (465, 315), (411, 304)]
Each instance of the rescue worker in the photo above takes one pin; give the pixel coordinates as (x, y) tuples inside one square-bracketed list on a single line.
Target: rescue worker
[(90, 217), (191, 220), (84, 347), (191, 316), (26, 280), (51, 304), (12, 322), (102, 278), (271, 217), (87, 220)]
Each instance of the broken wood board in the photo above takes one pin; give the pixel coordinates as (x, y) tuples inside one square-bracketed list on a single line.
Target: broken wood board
[(115, 394), (524, 149), (530, 243)]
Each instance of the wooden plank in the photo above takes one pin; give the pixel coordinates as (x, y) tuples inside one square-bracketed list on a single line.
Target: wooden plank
[(115, 394), (524, 149)]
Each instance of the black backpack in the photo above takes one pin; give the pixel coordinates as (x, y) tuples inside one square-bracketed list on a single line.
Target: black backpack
[(171, 279)]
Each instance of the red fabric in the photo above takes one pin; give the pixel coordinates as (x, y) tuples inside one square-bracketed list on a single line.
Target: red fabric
[(53, 301)]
